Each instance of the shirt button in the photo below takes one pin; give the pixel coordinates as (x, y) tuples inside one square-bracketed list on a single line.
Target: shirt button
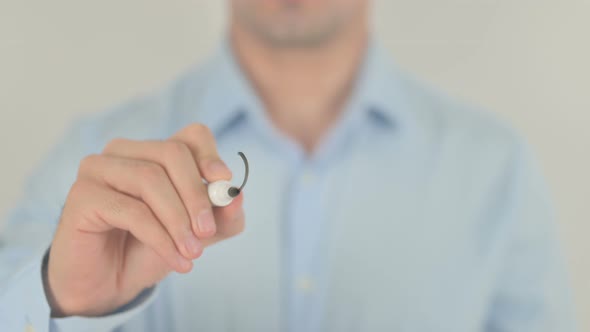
[(305, 284), (29, 328)]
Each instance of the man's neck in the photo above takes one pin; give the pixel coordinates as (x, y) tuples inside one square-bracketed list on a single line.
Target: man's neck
[(303, 90)]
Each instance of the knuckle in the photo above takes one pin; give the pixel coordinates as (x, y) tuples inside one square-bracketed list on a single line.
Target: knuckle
[(137, 214), (175, 150), (150, 173), (117, 206), (208, 159), (87, 162), (77, 203), (113, 144), (78, 189), (199, 131)]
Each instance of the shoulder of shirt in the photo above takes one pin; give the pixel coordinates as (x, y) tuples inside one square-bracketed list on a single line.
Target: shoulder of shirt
[(467, 130), (149, 115)]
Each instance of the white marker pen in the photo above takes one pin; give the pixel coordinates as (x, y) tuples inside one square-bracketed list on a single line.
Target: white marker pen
[(222, 192)]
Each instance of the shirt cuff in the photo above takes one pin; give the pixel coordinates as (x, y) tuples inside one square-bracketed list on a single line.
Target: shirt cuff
[(23, 306), (108, 322)]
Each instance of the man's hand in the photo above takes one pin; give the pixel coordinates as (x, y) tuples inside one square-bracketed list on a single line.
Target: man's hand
[(136, 212)]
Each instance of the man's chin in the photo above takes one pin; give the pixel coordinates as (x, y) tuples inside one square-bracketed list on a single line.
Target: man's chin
[(297, 33)]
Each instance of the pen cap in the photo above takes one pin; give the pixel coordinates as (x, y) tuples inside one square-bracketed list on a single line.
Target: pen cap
[(219, 193)]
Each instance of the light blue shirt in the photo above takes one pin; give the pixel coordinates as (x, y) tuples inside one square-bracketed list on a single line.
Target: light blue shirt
[(416, 213)]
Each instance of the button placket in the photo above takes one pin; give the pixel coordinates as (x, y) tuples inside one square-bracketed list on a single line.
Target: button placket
[(305, 226)]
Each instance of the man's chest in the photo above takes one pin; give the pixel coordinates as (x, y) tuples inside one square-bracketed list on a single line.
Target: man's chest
[(394, 252)]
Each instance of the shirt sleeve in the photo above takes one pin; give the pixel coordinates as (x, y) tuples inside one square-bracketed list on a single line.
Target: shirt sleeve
[(532, 292), (107, 322), (22, 301), (26, 234), (24, 307)]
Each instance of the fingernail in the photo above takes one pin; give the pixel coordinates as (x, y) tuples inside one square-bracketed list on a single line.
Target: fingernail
[(218, 166), (206, 222), (192, 245)]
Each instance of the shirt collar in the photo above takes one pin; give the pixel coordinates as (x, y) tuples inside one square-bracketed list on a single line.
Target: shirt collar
[(229, 96), (378, 90)]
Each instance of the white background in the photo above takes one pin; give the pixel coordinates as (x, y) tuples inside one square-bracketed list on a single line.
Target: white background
[(525, 60)]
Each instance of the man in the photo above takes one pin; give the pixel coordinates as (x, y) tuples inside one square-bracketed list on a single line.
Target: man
[(374, 204)]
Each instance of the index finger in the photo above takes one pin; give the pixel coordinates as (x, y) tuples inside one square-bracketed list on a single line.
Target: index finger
[(201, 142)]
